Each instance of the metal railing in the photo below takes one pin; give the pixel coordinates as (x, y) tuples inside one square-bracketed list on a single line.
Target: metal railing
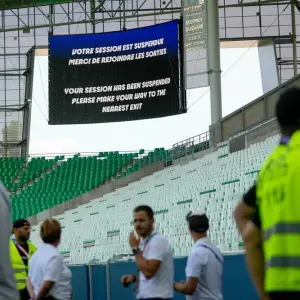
[(191, 145), (192, 141)]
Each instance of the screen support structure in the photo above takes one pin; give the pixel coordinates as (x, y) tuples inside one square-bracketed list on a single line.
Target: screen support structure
[(294, 35), (213, 60)]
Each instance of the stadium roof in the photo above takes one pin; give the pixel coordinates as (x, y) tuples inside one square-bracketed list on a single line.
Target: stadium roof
[(26, 23), (11, 4)]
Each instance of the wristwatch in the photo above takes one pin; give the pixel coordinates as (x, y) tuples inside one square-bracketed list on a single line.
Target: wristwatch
[(135, 251)]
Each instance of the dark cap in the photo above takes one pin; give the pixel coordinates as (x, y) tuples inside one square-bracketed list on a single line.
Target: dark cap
[(288, 108), (198, 221), (20, 223)]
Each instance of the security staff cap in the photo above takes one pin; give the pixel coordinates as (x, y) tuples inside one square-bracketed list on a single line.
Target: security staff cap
[(198, 221), (20, 223)]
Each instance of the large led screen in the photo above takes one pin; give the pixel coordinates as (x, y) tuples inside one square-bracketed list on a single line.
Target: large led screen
[(117, 76)]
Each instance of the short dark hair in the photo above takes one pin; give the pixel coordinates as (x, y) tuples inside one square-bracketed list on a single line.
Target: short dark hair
[(147, 209), (288, 108), (199, 224)]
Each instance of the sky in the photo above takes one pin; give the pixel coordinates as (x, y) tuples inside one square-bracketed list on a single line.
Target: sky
[(241, 84)]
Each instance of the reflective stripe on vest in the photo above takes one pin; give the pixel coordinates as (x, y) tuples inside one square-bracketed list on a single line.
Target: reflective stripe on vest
[(22, 281), (284, 262), (281, 228), (20, 270)]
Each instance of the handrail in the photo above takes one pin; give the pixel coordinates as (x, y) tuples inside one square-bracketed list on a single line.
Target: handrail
[(194, 140), (243, 131)]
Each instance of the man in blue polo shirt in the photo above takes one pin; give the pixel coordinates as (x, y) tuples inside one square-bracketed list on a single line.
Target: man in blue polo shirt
[(204, 267)]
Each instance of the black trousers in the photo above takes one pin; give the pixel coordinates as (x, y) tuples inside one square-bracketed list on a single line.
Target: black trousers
[(24, 294), (285, 296)]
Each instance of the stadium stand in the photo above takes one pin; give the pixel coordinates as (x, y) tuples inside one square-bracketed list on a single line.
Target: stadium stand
[(213, 184), (43, 183)]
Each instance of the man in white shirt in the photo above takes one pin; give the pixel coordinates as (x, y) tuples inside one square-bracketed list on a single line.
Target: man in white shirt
[(8, 289), (204, 268), (154, 259)]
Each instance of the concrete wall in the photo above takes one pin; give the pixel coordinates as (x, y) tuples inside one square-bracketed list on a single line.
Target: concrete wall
[(261, 133), (253, 136), (255, 112), (97, 193)]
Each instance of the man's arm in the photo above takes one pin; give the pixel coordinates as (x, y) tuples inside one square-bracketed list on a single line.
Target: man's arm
[(155, 255), (147, 267), (254, 256), (245, 209), (194, 266), (44, 290), (187, 287), (30, 288), (51, 276), (7, 281)]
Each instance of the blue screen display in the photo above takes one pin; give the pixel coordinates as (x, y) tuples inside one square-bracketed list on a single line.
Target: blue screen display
[(115, 76)]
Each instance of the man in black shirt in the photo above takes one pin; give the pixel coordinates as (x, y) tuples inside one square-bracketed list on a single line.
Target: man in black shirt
[(246, 209)]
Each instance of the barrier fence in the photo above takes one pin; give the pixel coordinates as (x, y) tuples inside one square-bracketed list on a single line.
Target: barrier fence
[(101, 282)]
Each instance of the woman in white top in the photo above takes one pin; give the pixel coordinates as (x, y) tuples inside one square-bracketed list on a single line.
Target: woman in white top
[(49, 277)]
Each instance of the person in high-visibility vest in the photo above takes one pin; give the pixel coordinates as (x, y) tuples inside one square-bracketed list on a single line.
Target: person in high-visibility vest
[(21, 249), (272, 236)]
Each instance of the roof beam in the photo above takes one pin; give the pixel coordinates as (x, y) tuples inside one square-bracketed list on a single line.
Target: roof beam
[(256, 3)]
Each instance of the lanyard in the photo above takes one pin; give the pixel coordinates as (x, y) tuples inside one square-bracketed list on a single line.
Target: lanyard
[(148, 240), (22, 250)]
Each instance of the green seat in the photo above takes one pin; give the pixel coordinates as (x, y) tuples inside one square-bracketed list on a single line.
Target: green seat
[(68, 179)]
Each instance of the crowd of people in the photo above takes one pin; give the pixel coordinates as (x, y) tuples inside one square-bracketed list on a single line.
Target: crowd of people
[(267, 218)]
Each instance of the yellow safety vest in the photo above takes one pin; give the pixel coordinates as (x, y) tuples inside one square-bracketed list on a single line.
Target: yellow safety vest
[(18, 265), (278, 200)]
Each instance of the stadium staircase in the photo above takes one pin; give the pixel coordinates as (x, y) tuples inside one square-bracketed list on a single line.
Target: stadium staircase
[(33, 171), (38, 177)]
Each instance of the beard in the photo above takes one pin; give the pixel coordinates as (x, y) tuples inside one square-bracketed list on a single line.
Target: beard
[(23, 238)]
